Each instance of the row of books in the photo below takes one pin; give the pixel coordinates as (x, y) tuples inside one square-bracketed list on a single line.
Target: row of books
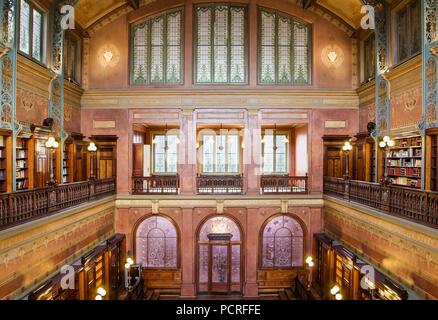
[(403, 181), (2, 175), (21, 164), (2, 153), (406, 153), (21, 185), (405, 163), (408, 172), (21, 154), (21, 174)]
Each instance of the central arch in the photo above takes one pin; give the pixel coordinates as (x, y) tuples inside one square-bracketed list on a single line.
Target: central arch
[(219, 256)]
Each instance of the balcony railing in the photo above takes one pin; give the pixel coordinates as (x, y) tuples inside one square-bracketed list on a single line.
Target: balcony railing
[(283, 185), (21, 206), (416, 205), (155, 185), (219, 184)]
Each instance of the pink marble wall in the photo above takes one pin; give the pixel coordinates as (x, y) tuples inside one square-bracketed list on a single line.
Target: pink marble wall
[(189, 220), (115, 37), (317, 130)]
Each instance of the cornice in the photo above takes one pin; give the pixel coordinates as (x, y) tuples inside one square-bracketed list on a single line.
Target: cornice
[(246, 98), (34, 68)]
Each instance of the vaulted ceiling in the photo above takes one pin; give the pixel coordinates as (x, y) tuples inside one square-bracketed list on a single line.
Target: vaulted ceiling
[(90, 11)]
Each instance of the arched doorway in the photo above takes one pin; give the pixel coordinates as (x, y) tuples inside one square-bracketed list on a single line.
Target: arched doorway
[(219, 257)]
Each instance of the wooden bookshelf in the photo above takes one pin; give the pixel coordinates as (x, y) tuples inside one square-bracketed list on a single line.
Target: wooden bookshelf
[(3, 165), (66, 165), (22, 164), (432, 160), (405, 162)]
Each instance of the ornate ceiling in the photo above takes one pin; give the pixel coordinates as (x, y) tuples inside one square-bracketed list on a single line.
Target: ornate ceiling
[(89, 12)]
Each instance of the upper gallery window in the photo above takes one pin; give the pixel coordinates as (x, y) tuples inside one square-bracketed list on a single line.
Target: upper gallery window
[(408, 31), (221, 153), (221, 44), (157, 54), (72, 57), (284, 49), (369, 56), (31, 30), (274, 153), (165, 151)]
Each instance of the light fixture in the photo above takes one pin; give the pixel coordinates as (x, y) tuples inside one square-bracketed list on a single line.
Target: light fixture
[(385, 145), (92, 147), (130, 261), (338, 296), (101, 291), (52, 144), (127, 265), (108, 55), (98, 297), (332, 55), (309, 259), (335, 290)]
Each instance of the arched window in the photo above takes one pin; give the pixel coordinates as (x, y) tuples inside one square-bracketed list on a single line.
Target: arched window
[(283, 243), (284, 49), (156, 243), (157, 54)]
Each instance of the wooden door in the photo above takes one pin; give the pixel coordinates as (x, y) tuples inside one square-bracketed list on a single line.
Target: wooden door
[(42, 175), (219, 268), (105, 165), (334, 163)]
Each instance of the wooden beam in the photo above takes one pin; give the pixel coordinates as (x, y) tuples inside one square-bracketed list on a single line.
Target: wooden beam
[(308, 3), (135, 4)]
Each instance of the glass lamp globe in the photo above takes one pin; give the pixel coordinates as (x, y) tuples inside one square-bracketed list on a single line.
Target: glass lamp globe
[(386, 139), (382, 144)]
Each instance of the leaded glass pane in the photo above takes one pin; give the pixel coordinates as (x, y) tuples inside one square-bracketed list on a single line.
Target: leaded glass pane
[(203, 263), (156, 243), (284, 49), (283, 243), (220, 154), (140, 54), (237, 61), (157, 49), (301, 54), (208, 154), (235, 264), (25, 27), (36, 37), (174, 48), (268, 61), (221, 53), (219, 225)]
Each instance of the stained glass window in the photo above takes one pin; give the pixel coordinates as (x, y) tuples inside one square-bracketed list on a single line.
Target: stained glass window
[(221, 55), (283, 243), (284, 49), (31, 31), (220, 153), (156, 243), (157, 55), (408, 26), (165, 148), (275, 153)]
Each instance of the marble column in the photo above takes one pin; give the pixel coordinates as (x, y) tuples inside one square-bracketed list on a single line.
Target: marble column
[(252, 152), (187, 254), (187, 152)]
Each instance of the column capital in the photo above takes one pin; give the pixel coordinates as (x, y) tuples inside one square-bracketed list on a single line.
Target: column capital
[(253, 112), (187, 112)]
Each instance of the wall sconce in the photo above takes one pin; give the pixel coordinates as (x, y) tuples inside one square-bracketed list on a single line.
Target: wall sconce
[(51, 145), (101, 292), (128, 264), (336, 292), (92, 149), (332, 55), (108, 56)]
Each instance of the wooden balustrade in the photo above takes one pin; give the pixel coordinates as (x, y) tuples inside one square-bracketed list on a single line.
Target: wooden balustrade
[(155, 185), (284, 185), (219, 184), (21, 206), (415, 205)]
